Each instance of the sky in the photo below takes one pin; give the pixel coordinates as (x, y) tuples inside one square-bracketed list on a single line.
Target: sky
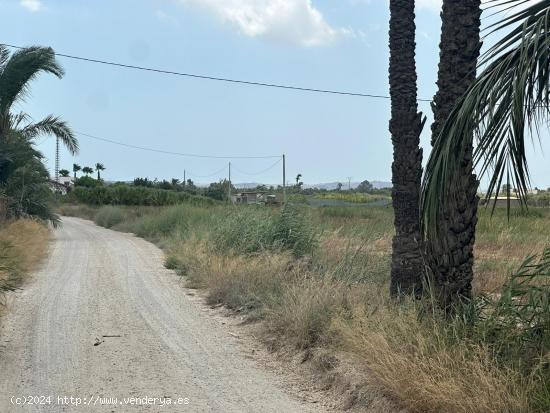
[(323, 44)]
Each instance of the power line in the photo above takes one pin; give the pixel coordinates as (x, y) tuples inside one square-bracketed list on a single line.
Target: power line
[(259, 172), (224, 168), (188, 155), (219, 79)]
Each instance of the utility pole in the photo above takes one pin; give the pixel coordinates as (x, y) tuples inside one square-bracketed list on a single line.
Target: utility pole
[(284, 178), (57, 160), (229, 186), (184, 180), (349, 183)]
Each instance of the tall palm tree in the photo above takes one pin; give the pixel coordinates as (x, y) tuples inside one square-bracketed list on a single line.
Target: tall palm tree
[(511, 96), (99, 167), (405, 126), (76, 168), (87, 170), (450, 255), (16, 73), (64, 173)]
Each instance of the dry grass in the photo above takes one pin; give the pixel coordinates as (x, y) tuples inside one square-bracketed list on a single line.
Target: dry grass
[(23, 244), (416, 366)]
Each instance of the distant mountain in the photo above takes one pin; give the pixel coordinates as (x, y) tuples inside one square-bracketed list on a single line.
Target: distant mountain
[(326, 185)]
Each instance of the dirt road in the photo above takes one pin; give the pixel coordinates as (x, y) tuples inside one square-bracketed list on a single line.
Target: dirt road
[(98, 283)]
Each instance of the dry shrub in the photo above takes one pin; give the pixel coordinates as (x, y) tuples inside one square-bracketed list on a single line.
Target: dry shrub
[(242, 283), (418, 367), (306, 312)]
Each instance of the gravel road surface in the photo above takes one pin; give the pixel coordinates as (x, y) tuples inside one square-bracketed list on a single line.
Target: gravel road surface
[(103, 321)]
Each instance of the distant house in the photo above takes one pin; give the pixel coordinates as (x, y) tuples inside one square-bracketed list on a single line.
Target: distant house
[(63, 186), (66, 180), (502, 201), (253, 198)]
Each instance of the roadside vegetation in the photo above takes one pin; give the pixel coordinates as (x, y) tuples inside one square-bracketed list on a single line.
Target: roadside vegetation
[(316, 279), (23, 243)]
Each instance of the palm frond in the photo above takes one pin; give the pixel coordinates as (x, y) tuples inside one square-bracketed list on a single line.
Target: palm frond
[(22, 67), (52, 125), (511, 97), (4, 56)]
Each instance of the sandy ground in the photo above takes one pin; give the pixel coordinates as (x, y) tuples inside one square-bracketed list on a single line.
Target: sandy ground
[(163, 343)]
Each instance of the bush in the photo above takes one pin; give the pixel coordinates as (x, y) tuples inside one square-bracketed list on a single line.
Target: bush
[(109, 216)]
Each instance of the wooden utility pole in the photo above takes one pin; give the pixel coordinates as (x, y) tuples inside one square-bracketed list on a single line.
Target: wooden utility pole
[(229, 186), (284, 178), (184, 178)]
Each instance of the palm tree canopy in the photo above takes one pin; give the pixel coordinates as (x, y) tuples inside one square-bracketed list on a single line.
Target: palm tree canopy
[(99, 167), (87, 170), (510, 97), (76, 167), (16, 73)]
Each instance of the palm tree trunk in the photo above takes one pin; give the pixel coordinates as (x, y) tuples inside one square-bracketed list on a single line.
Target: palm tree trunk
[(405, 126), (450, 255)]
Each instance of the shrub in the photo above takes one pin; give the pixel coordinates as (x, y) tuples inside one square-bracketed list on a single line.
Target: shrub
[(109, 216)]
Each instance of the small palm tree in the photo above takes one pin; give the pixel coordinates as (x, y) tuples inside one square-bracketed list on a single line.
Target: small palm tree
[(16, 73), (99, 167), (76, 168), (64, 173), (87, 170)]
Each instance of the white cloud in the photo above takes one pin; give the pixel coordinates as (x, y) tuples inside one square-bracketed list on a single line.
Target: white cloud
[(295, 22), (32, 5)]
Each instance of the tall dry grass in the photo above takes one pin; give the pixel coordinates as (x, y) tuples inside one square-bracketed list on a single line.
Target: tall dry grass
[(23, 244)]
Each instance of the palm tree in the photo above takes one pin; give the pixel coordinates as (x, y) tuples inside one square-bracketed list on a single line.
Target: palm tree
[(76, 168), (511, 95), (405, 126), (16, 73), (99, 167), (450, 255), (87, 170), (64, 173)]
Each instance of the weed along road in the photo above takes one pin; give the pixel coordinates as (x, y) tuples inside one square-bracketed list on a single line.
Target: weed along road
[(102, 322)]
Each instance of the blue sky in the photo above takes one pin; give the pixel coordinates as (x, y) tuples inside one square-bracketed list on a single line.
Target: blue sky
[(330, 44)]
